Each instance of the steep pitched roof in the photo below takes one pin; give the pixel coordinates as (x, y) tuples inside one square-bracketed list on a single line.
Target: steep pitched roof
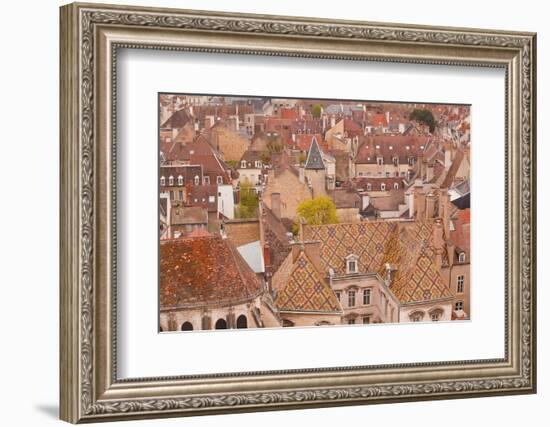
[(314, 157), (204, 270), (407, 246), (305, 290), (411, 250)]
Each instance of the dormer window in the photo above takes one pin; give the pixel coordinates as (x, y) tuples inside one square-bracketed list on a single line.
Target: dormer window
[(206, 180), (380, 161), (436, 314), (461, 257), (351, 264), (219, 179), (162, 180), (416, 316), (395, 161), (180, 180), (197, 180), (171, 180), (243, 164)]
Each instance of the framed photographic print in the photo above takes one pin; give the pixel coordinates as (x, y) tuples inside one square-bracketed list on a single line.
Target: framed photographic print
[(267, 212)]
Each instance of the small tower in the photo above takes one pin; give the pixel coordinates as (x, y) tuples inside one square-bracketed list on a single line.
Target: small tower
[(314, 169)]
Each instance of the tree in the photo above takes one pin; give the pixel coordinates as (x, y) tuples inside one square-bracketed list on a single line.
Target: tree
[(248, 206), (317, 211), (424, 116), (316, 111)]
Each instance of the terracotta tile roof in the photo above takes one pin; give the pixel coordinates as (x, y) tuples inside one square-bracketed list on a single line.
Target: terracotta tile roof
[(204, 270), (407, 246), (178, 120), (449, 179), (388, 147), (306, 290), (181, 215)]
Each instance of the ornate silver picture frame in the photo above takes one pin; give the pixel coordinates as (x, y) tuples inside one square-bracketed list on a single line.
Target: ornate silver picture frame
[(91, 34)]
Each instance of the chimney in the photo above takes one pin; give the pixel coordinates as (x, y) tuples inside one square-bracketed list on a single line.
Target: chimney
[(430, 205), (445, 212), (448, 154), (324, 122), (438, 243), (313, 252), (429, 171), (420, 203), (332, 121), (450, 251), (423, 167), (301, 174), (276, 204), (267, 257), (410, 203)]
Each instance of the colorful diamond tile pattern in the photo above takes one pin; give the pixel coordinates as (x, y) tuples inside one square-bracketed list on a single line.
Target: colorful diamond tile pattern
[(306, 290), (366, 240), (407, 247)]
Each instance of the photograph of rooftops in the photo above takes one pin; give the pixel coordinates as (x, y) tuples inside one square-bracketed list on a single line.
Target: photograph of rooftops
[(280, 212)]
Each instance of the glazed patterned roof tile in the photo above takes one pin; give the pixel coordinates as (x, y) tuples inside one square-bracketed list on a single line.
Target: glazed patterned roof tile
[(406, 246), (305, 290)]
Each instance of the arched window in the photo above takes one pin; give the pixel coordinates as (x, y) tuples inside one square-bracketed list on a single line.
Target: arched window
[(436, 314), (180, 180), (242, 323), (416, 316), (162, 180), (396, 186), (187, 326), (383, 187), (221, 324), (171, 180), (461, 257)]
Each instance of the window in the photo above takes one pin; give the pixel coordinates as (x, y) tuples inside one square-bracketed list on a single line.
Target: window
[(172, 196), (258, 163), (360, 173), (242, 322), (186, 326), (396, 186), (351, 321), (243, 164), (171, 180), (383, 187), (460, 284), (416, 316), (197, 180), (411, 161), (351, 264), (459, 305), (351, 299), (211, 199), (380, 161), (462, 258), (206, 180), (219, 180), (369, 186), (366, 296), (435, 315), (181, 194), (366, 320), (338, 295), (387, 174), (395, 161), (180, 180), (162, 180)]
